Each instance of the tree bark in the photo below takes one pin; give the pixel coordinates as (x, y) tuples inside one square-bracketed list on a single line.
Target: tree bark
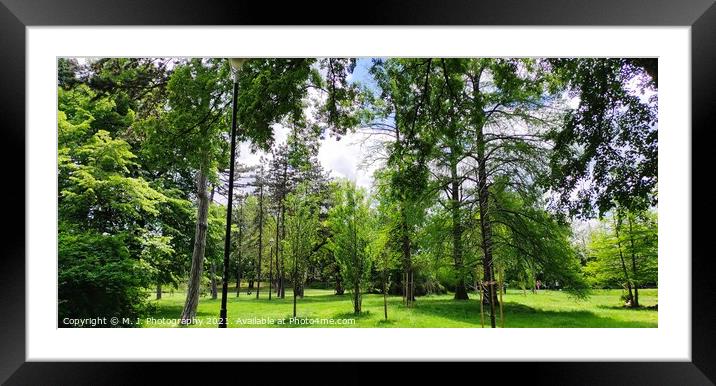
[(197, 258), (214, 292), (270, 283), (633, 263), (485, 226), (339, 283), (159, 291), (238, 251), (261, 238), (460, 287), (282, 280), (385, 294), (295, 283), (621, 258)]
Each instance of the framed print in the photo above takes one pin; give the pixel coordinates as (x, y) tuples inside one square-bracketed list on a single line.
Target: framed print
[(465, 182)]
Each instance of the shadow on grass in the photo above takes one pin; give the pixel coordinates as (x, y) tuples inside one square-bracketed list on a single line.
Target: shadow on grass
[(623, 308), (522, 316), (351, 315), (386, 323)]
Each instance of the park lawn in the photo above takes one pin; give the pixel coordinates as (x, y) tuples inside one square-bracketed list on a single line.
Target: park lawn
[(545, 309)]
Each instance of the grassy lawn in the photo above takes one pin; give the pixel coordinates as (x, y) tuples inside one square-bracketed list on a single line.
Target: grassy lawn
[(545, 309)]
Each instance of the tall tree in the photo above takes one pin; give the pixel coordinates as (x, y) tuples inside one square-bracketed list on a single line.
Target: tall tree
[(301, 235), (397, 112), (260, 183), (193, 127)]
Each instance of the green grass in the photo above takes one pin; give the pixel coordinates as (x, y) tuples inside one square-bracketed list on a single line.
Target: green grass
[(545, 309)]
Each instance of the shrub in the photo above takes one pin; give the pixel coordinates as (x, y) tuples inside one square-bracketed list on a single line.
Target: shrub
[(98, 277)]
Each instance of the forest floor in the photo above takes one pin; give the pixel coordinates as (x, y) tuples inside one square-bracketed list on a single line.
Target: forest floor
[(321, 308)]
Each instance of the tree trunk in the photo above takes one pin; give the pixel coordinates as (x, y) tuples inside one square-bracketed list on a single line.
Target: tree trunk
[(295, 282), (356, 299), (197, 258), (634, 275), (408, 292), (385, 294), (282, 280), (270, 283), (214, 292), (485, 227), (460, 288), (238, 278), (339, 283), (159, 291), (261, 238), (277, 247), (624, 268), (357, 267), (238, 249)]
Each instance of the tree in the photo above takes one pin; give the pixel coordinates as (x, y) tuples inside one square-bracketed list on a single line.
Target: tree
[(383, 257), (350, 222), (301, 235), (107, 215), (241, 230), (193, 127), (624, 253), (396, 113), (503, 101), (214, 253), (259, 183)]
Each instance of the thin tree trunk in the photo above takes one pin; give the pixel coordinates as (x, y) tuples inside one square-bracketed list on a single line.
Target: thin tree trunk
[(407, 260), (282, 282), (270, 283), (214, 292), (238, 278), (485, 225), (238, 251), (339, 282), (159, 291), (278, 251), (385, 293), (502, 315), (633, 263), (482, 307), (621, 258), (261, 239), (197, 258), (295, 283), (356, 279), (460, 288), (408, 295)]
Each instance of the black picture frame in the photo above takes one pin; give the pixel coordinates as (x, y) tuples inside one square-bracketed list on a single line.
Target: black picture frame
[(15, 15)]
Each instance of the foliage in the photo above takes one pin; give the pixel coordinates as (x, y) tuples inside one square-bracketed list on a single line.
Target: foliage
[(98, 277), (483, 166), (614, 243), (609, 141), (351, 227)]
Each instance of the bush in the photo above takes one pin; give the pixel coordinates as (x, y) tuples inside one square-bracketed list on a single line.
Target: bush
[(97, 277)]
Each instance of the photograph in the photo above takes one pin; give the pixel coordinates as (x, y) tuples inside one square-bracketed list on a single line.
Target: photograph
[(357, 192)]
